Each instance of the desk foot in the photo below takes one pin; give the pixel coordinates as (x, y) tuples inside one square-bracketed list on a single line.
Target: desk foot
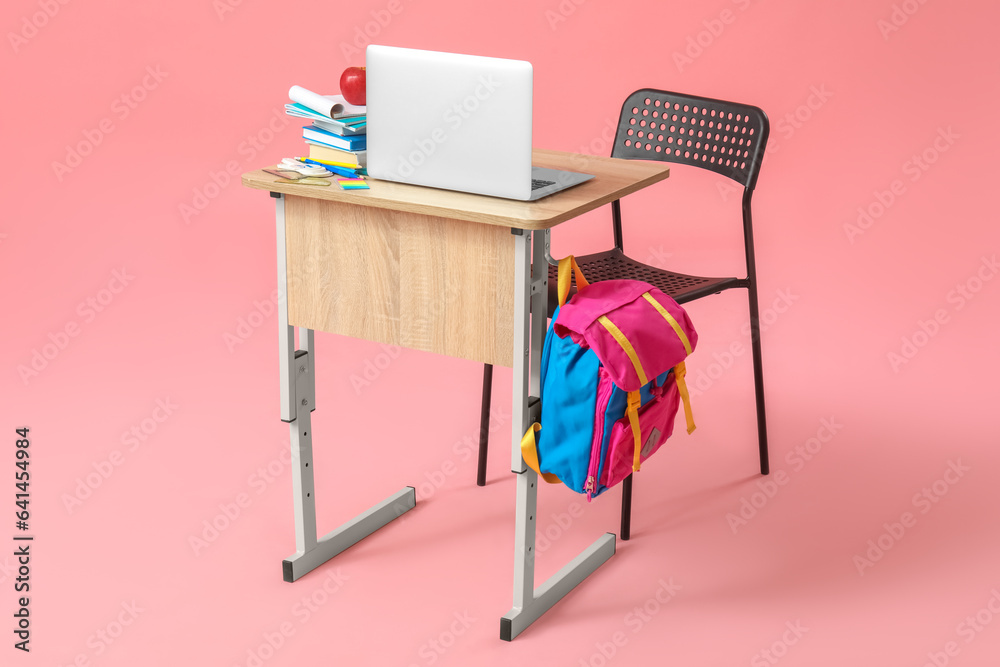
[(558, 585), (349, 534)]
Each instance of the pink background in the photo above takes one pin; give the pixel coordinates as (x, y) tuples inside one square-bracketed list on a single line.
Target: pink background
[(851, 103)]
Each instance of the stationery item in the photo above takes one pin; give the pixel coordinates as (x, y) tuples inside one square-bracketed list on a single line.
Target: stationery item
[(299, 111), (305, 180), (346, 143), (353, 184), (293, 164), (330, 163), (335, 155), (336, 169), (345, 127), (325, 106), (284, 173)]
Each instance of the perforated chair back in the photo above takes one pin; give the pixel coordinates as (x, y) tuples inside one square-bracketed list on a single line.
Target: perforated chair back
[(724, 137)]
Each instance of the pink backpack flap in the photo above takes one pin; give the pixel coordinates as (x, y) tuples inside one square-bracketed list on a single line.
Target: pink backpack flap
[(636, 330)]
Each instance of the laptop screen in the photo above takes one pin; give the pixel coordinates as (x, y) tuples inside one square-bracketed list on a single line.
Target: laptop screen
[(449, 121)]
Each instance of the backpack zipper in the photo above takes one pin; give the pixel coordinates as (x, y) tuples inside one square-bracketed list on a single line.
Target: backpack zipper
[(605, 387)]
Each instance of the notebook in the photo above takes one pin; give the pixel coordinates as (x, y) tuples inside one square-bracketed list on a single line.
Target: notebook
[(453, 121)]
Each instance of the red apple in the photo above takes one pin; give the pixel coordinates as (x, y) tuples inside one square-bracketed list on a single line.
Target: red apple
[(352, 85)]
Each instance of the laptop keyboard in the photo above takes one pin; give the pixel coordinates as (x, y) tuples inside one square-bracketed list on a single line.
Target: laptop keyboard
[(539, 183)]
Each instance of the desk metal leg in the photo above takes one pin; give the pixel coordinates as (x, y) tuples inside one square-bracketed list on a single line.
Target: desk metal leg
[(530, 296), (484, 424), (298, 400)]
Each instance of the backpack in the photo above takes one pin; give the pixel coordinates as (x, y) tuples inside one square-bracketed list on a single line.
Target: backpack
[(612, 377)]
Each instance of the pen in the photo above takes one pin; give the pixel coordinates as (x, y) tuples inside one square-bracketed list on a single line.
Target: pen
[(345, 165), (335, 168)]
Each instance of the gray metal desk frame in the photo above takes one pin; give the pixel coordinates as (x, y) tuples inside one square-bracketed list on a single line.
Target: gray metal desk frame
[(298, 400)]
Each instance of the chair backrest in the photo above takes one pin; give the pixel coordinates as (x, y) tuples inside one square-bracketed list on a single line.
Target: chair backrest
[(724, 137)]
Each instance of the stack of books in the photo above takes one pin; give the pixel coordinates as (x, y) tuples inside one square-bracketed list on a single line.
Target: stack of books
[(338, 135)]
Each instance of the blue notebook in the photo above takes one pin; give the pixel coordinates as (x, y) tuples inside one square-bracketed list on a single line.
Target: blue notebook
[(344, 143)]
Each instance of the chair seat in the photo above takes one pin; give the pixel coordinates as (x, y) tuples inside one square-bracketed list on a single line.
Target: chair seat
[(614, 264)]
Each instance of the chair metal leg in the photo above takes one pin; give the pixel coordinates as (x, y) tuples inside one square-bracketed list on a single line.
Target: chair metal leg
[(484, 423), (627, 508), (758, 381), (758, 366)]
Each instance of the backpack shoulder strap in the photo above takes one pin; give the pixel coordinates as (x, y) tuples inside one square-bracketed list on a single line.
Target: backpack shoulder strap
[(674, 324), (529, 452), (568, 267), (680, 370)]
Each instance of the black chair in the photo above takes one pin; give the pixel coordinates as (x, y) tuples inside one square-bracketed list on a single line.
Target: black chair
[(723, 137)]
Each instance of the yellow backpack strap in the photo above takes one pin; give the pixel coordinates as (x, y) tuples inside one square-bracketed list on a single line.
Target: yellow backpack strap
[(630, 352), (633, 419), (634, 399), (529, 452), (680, 370), (567, 268), (670, 320)]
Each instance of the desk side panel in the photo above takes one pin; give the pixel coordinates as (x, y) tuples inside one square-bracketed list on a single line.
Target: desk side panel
[(399, 278)]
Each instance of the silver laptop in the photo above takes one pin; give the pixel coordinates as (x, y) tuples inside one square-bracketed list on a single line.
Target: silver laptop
[(456, 122)]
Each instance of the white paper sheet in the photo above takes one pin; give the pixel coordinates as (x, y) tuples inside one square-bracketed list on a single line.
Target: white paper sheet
[(333, 106)]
